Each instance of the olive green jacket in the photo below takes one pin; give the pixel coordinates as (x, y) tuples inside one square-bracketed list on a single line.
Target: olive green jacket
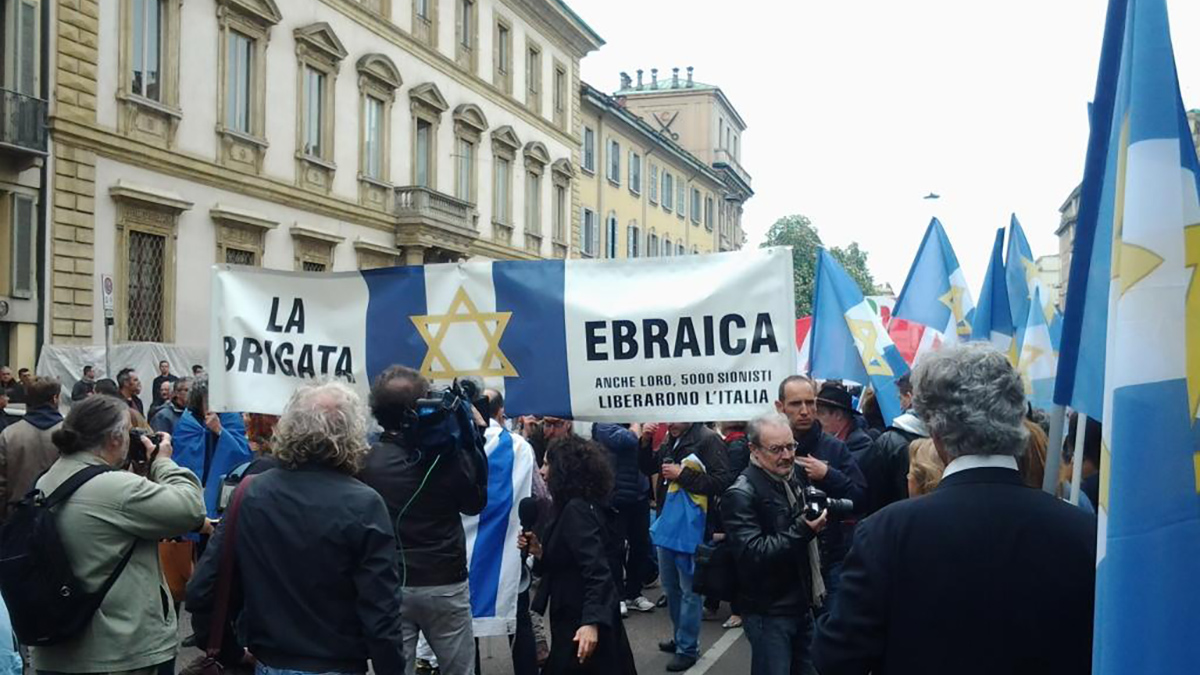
[(135, 626)]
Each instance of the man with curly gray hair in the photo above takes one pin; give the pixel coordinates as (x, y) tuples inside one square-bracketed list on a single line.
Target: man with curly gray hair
[(318, 583), (983, 575)]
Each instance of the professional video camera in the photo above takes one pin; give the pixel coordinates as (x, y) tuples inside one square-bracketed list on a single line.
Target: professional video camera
[(817, 501), (443, 421)]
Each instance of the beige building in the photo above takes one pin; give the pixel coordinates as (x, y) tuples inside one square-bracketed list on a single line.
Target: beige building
[(317, 135), (22, 165), (654, 188)]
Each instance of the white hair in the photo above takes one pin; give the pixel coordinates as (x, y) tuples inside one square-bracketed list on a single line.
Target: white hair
[(972, 400), (773, 419), (323, 424)]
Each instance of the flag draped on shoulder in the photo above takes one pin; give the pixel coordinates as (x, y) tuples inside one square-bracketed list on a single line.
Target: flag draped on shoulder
[(1037, 362), (680, 525), (1147, 588), (848, 337), (209, 457), (993, 319), (935, 294), (493, 561)]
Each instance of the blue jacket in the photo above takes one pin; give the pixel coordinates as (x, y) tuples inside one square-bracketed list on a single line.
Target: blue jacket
[(208, 456), (629, 485)]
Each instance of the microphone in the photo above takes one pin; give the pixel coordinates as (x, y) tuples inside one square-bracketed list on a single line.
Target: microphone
[(527, 513)]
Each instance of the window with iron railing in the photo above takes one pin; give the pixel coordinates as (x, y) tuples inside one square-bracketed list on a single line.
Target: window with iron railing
[(146, 287)]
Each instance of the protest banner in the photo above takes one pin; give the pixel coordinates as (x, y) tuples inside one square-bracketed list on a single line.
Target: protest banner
[(664, 339)]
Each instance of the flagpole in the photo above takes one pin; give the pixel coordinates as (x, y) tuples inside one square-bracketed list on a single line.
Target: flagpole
[(1058, 415), (1077, 459)]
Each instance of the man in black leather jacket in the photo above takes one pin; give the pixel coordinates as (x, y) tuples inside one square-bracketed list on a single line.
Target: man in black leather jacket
[(773, 545), (427, 490)]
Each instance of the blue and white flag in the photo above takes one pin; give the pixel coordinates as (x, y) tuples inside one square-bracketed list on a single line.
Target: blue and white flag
[(1147, 587), (1037, 362), (849, 340), (681, 339), (1023, 278), (493, 561), (993, 320), (935, 294)]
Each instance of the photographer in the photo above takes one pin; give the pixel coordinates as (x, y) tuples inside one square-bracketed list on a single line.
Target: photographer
[(773, 540), (114, 515), (430, 471)]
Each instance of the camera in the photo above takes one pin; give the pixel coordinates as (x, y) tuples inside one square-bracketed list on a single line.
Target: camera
[(816, 501), (443, 420), (137, 451)]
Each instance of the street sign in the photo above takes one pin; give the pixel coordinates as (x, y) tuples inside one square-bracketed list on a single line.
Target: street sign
[(106, 291)]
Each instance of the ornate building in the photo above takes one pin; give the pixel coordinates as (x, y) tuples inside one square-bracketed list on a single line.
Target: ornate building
[(316, 135)]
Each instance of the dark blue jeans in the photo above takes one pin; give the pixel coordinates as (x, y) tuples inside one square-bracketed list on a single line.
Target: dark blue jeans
[(779, 645)]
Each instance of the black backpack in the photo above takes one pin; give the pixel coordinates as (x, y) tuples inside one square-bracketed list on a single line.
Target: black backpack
[(46, 601)]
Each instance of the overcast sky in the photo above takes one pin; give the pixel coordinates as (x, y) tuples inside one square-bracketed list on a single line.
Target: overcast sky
[(857, 109)]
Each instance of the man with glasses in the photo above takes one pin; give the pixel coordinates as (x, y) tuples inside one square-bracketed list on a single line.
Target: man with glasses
[(829, 467), (775, 550)]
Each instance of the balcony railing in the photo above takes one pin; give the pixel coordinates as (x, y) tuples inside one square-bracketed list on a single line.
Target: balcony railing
[(723, 156), (22, 123), (420, 205)]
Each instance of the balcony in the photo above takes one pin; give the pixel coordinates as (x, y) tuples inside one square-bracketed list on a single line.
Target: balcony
[(428, 218), (22, 124), (723, 157)]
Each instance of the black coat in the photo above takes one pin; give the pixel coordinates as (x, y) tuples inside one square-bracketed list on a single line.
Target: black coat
[(984, 575), (843, 481), (885, 465), (770, 544), (858, 441), (429, 533), (578, 585)]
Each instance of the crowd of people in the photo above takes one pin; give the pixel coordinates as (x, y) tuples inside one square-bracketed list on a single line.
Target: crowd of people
[(333, 536)]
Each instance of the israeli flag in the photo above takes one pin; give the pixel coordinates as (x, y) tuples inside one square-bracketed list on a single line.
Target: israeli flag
[(993, 320), (849, 340), (935, 294), (493, 561)]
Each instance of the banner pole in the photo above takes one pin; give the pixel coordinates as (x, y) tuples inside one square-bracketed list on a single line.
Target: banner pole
[(1077, 459), (1058, 415)]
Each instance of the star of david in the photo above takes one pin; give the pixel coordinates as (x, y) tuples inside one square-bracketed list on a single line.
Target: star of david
[(866, 334), (433, 329), (1029, 356), (1031, 270), (953, 299)]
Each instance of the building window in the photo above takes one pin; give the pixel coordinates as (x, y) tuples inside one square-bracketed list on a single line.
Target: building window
[(21, 47), (320, 54), (533, 78), (465, 183), (720, 132), (695, 206), (652, 246), (681, 199), (373, 137), (378, 80), (424, 150), (653, 183), (313, 250), (147, 224), (561, 199), (635, 173), (502, 192), (666, 247), (145, 288), (147, 48), (465, 46), (610, 236), (504, 151), (239, 69), (24, 251), (241, 236), (502, 78), (680, 249), (425, 22), (533, 203), (668, 191), (560, 95), (633, 240), (589, 235), (708, 213), (589, 150), (614, 161), (148, 63)]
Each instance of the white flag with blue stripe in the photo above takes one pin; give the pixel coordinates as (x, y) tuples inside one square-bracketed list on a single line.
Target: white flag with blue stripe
[(493, 561), (681, 339)]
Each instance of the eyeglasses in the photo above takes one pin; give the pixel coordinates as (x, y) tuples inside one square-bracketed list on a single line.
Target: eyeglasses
[(777, 450)]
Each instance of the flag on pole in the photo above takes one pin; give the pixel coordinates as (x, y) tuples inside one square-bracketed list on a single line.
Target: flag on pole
[(848, 337), (993, 320), (1023, 277), (493, 561), (935, 294), (1037, 362), (1147, 588)]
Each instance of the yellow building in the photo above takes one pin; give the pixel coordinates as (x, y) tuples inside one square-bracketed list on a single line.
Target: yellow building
[(642, 194)]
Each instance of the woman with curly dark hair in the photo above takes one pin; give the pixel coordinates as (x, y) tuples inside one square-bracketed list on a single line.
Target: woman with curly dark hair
[(586, 635)]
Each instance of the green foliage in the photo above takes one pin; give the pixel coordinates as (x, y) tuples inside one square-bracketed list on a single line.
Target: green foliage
[(798, 232)]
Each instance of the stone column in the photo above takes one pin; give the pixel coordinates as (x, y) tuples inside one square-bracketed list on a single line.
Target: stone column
[(414, 255)]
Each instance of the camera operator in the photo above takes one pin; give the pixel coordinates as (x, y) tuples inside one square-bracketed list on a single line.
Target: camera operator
[(113, 515), (829, 467), (427, 490), (773, 540)]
